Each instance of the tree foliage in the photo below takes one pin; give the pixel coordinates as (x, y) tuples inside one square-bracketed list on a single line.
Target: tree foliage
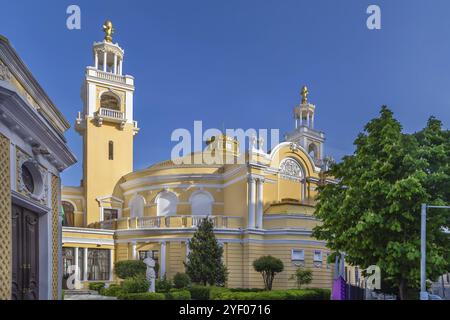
[(129, 268), (302, 277), (268, 266), (372, 213), (205, 264)]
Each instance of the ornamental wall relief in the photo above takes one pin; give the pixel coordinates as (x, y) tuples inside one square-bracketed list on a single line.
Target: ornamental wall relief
[(291, 170)]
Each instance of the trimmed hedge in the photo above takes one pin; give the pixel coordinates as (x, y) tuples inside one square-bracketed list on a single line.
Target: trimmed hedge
[(129, 268), (181, 280), (135, 285), (296, 294), (175, 294), (112, 291), (96, 286), (142, 296), (199, 292)]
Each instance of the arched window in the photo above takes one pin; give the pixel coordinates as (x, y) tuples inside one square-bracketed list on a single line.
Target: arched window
[(290, 169), (312, 151), (137, 205), (201, 203), (166, 204), (69, 216), (110, 101)]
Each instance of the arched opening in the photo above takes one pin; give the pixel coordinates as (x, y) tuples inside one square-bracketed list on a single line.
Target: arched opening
[(109, 101), (201, 203), (137, 205), (69, 216), (292, 184), (166, 204), (312, 151)]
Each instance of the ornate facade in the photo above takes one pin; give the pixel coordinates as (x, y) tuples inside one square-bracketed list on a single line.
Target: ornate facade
[(263, 205), (33, 152)]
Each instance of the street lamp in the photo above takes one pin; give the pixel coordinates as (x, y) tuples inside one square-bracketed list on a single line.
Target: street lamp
[(423, 248)]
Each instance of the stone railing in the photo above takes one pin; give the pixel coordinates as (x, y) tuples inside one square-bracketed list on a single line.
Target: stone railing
[(110, 76), (111, 114), (161, 222)]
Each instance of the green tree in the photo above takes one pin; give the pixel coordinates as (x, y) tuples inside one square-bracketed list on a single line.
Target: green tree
[(205, 264), (268, 266), (372, 213), (302, 276)]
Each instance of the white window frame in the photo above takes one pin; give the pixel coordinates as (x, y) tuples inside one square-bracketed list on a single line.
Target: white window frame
[(320, 255), (301, 252)]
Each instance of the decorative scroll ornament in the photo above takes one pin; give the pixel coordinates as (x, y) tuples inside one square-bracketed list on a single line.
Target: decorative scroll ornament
[(4, 73), (291, 170), (39, 173)]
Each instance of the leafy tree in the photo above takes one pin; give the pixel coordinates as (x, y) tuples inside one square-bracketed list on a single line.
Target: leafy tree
[(205, 264), (372, 213), (302, 276), (268, 266)]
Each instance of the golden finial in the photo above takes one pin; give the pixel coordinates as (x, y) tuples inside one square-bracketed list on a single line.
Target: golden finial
[(109, 30), (304, 93)]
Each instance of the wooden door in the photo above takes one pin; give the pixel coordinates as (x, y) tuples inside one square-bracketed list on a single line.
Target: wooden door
[(25, 253)]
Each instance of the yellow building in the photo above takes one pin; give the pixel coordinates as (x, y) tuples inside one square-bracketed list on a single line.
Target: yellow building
[(259, 206), (33, 152)]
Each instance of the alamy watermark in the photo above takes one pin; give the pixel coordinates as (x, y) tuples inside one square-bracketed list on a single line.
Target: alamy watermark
[(222, 147)]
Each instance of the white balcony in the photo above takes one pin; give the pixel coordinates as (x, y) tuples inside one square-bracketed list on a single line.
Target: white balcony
[(110, 115), (177, 221)]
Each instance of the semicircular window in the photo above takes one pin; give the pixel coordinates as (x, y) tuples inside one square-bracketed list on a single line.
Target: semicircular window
[(291, 170), (27, 179)]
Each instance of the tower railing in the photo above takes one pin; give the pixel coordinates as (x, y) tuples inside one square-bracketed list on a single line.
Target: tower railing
[(110, 76), (111, 114)]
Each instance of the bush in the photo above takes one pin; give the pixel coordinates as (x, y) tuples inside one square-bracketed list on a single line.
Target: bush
[(245, 289), (163, 285), (96, 286), (141, 296), (129, 268), (301, 277), (200, 292), (268, 266), (296, 294), (181, 280), (135, 285), (112, 291), (176, 294)]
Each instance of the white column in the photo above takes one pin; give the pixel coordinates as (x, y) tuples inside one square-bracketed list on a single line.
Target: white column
[(312, 121), (301, 117), (251, 203), (162, 264), (120, 66), (85, 264), (307, 119), (133, 251), (111, 264), (96, 59), (104, 61), (77, 273), (259, 204), (115, 63)]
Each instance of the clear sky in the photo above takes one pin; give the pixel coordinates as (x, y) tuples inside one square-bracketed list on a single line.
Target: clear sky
[(242, 63)]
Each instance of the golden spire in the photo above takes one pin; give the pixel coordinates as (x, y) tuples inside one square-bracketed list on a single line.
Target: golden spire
[(109, 30), (304, 93)]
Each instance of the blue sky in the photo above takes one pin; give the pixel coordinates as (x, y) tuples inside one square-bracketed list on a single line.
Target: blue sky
[(242, 62)]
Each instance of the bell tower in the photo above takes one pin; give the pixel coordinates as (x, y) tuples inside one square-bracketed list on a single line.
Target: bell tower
[(305, 134), (107, 126)]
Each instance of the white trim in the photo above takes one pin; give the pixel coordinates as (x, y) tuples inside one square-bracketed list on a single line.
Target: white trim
[(88, 230), (95, 241)]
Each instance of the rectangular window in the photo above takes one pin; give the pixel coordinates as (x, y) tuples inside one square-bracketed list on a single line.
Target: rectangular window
[(111, 150), (298, 255), (109, 214), (317, 256), (98, 264)]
